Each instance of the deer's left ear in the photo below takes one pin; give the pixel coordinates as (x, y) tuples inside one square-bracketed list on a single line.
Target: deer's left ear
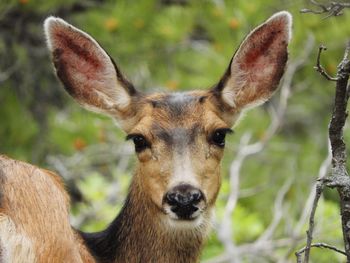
[(258, 65), (88, 73)]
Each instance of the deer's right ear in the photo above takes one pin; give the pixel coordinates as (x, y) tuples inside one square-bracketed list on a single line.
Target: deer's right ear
[(89, 75), (257, 67)]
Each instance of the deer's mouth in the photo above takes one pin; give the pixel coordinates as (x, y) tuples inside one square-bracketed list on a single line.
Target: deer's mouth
[(183, 213), (199, 220), (194, 220)]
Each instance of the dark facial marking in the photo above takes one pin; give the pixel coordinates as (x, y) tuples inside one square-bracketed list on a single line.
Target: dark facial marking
[(126, 83), (202, 99), (177, 137), (177, 106)]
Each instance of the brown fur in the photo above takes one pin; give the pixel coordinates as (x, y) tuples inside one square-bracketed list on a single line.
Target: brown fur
[(27, 198)]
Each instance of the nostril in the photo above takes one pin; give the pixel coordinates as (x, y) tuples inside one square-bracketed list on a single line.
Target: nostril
[(196, 196), (171, 198)]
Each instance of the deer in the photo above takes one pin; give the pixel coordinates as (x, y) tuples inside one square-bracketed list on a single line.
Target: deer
[(179, 141)]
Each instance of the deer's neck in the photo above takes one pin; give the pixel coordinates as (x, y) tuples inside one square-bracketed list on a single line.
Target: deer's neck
[(139, 235)]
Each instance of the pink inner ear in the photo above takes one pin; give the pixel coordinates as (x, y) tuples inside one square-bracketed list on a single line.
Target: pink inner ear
[(86, 70), (255, 53), (78, 49), (81, 65), (263, 51), (263, 55), (259, 63), (78, 54)]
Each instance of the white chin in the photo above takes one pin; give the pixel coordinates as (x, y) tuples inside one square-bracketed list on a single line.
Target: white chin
[(185, 224)]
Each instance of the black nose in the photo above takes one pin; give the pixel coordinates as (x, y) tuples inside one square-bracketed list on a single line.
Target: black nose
[(183, 200)]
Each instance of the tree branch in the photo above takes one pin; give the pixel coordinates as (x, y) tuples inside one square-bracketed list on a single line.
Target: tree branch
[(319, 245), (340, 178), (319, 67), (309, 232), (333, 9)]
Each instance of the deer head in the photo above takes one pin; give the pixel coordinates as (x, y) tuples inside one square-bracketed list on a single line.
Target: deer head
[(179, 137)]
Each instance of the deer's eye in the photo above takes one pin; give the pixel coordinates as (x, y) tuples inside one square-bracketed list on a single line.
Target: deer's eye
[(140, 142), (218, 137)]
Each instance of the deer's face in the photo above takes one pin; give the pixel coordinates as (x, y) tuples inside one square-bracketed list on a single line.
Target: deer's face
[(179, 138)]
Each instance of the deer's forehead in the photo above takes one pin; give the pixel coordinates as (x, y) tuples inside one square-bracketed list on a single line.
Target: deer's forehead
[(177, 104), (178, 118), (177, 108)]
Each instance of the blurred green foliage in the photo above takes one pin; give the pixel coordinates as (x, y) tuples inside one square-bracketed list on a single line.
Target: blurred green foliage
[(174, 45)]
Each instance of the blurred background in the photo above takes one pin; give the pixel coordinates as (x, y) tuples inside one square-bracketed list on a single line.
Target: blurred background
[(272, 160)]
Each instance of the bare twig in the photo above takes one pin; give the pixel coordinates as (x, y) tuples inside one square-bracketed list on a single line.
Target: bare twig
[(309, 232), (225, 230), (319, 245), (333, 9), (309, 204), (322, 172), (318, 192), (254, 250), (97, 157), (278, 212), (319, 67), (5, 75)]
